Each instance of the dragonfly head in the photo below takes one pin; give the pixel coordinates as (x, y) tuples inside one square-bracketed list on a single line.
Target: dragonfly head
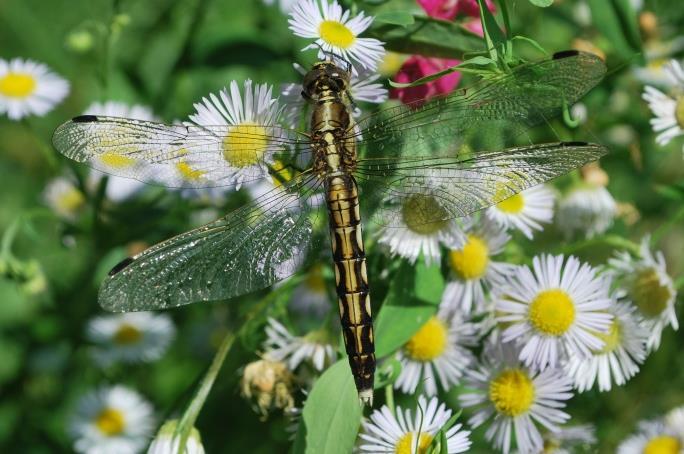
[(325, 77)]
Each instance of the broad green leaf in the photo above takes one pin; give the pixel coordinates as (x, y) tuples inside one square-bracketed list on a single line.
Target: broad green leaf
[(617, 21), (429, 283), (396, 324), (429, 37), (332, 413), (542, 3), (403, 313), (402, 18)]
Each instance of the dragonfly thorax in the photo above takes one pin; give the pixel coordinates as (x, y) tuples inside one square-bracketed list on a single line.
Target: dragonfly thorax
[(325, 79)]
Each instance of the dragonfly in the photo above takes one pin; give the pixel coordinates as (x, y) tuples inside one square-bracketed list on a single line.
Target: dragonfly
[(445, 158)]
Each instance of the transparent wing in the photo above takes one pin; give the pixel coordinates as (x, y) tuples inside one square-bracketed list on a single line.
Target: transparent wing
[(249, 249), (530, 94), (467, 183), (179, 155)]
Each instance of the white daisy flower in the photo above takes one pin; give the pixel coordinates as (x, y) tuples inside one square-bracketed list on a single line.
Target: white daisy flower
[(645, 282), (668, 111), (29, 88), (112, 420), (64, 198), (589, 209), (654, 437), (130, 338), (516, 398), (362, 87), (618, 361), (525, 211), (245, 151), (118, 188), (674, 419), (417, 223), (408, 433), (473, 271), (167, 441), (553, 309), (334, 31), (436, 355), (281, 345)]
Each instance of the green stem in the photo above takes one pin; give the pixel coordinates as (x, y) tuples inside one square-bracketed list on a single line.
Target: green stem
[(187, 421), (389, 398), (8, 238)]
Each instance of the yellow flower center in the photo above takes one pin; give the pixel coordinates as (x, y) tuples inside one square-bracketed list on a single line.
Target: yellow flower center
[(336, 34), (422, 214), (70, 201), (648, 293), (17, 85), (679, 111), (512, 205), (511, 392), (552, 312), (408, 442), (429, 342), (663, 444), (116, 160), (110, 422), (611, 339), (187, 172), (245, 145), (471, 261), (127, 334)]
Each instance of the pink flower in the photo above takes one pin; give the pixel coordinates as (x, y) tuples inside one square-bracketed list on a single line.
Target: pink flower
[(418, 66), (448, 9)]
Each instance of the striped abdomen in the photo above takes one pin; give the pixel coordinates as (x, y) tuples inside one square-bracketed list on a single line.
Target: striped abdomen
[(351, 280)]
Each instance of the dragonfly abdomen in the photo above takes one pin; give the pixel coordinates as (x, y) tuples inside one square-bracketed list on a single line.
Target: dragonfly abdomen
[(351, 280)]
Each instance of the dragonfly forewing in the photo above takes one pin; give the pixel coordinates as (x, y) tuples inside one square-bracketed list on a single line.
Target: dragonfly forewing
[(183, 155)]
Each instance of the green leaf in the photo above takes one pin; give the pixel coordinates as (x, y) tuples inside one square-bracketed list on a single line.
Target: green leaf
[(617, 21), (426, 79), (673, 192), (402, 18), (493, 36), (402, 313), (542, 3), (428, 36), (463, 67), (396, 324), (332, 412), (429, 283)]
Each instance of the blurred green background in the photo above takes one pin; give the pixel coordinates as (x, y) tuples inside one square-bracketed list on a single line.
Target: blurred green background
[(168, 55)]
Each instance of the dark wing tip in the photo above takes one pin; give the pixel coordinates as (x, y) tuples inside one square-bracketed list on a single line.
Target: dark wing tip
[(84, 119), (565, 54), (120, 266)]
